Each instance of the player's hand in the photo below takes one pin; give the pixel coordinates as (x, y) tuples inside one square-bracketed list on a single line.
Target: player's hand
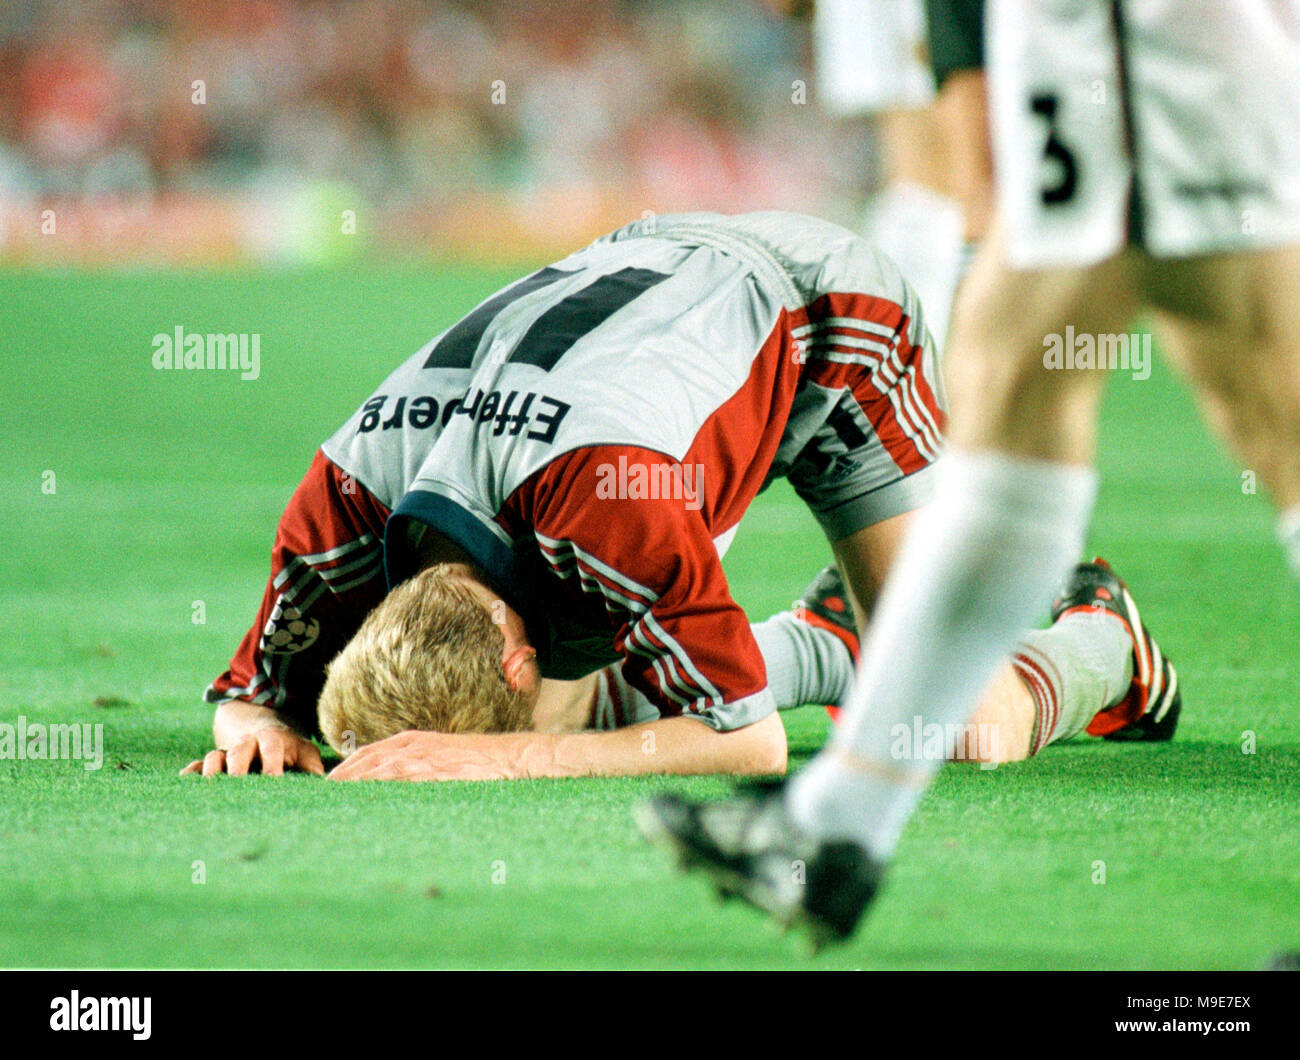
[(417, 755), (274, 749)]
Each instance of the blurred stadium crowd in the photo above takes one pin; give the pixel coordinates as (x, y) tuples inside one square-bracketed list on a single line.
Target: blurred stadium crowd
[(202, 129)]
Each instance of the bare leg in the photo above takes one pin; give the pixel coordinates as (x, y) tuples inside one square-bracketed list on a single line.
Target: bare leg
[(1003, 397), (961, 114), (1232, 323), (912, 150)]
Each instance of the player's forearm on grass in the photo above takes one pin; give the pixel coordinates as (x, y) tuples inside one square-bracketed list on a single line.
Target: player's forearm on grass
[(679, 746), (669, 745), (682, 746), (236, 719)]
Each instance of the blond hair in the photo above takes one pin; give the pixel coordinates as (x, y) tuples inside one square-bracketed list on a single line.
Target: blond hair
[(428, 657)]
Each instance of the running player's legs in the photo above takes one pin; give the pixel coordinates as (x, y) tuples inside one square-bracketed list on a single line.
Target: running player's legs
[(1016, 487), (1016, 494)]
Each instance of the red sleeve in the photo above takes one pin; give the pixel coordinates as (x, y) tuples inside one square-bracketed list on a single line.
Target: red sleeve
[(685, 643), (326, 575)]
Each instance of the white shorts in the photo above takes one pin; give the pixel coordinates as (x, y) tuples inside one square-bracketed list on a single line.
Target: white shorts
[(1173, 125), (871, 55)]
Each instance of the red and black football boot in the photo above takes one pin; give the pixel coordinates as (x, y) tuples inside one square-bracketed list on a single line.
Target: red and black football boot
[(1150, 710)]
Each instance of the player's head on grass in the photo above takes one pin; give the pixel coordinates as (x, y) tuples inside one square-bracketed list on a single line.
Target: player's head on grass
[(439, 654)]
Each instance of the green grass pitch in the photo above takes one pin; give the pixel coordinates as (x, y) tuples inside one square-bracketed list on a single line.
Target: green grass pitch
[(167, 487)]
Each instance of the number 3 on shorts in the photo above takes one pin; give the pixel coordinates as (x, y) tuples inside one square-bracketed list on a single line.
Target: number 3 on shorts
[(1061, 180)]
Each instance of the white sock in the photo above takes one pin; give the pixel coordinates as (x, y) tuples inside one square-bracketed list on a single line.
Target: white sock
[(921, 231), (1080, 666), (805, 664), (1288, 535), (979, 565)]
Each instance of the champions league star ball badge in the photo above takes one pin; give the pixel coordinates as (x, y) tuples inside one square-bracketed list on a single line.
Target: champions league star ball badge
[(287, 632)]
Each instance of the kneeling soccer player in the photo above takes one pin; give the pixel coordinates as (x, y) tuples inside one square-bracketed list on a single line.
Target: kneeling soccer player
[(1077, 674), (563, 468)]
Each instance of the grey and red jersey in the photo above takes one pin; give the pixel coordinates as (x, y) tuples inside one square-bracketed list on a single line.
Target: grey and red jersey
[(593, 432)]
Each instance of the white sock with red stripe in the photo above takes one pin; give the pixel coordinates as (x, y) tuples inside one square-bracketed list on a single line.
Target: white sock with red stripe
[(979, 565), (805, 664), (1080, 666), (1288, 535)]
